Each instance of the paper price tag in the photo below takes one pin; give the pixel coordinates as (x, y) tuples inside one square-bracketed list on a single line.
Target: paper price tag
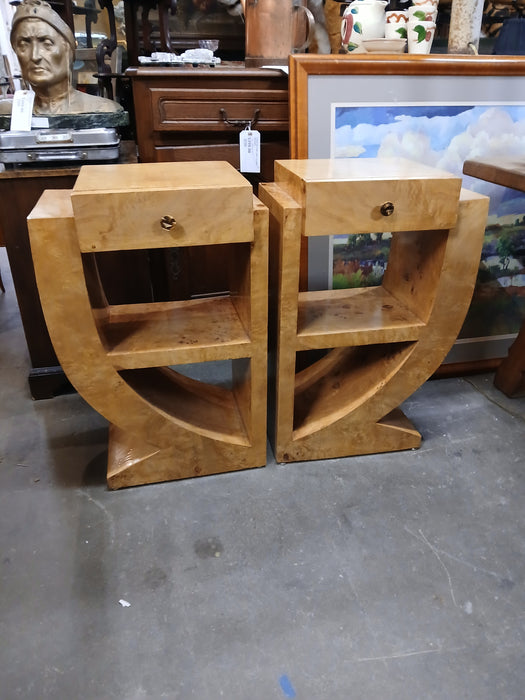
[(250, 151), (22, 110)]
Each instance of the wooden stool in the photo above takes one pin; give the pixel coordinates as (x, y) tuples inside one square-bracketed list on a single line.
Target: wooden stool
[(379, 344), (163, 424)]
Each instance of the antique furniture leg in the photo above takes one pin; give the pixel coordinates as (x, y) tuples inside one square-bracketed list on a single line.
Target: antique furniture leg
[(510, 375)]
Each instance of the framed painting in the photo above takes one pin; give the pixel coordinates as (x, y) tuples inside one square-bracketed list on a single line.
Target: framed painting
[(439, 110)]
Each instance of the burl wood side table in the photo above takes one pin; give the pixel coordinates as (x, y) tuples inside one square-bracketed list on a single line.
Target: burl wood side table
[(123, 359), (377, 344)]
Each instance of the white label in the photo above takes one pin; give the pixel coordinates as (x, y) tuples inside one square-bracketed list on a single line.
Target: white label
[(250, 153), (22, 110), (53, 137), (40, 123)]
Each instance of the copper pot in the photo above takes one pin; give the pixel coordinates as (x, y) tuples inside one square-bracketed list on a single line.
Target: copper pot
[(275, 29)]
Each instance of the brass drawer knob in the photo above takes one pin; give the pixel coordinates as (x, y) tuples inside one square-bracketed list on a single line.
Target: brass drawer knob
[(387, 209), (167, 222)]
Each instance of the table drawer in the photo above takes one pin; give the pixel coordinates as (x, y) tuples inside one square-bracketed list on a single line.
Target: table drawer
[(362, 195), (207, 110), (159, 205)]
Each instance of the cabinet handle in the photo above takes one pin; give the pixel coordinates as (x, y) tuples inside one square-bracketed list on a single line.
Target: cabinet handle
[(167, 222), (387, 209), (243, 123)]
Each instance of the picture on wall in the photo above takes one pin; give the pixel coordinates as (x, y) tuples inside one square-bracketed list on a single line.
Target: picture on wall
[(443, 136)]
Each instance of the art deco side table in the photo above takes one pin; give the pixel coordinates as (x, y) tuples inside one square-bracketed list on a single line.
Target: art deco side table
[(377, 344), (127, 360)]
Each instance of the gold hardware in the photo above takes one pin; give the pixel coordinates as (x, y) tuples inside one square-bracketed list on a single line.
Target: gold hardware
[(167, 222), (387, 209)]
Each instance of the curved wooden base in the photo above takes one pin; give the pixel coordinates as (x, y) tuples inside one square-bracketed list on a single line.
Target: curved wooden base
[(133, 463)]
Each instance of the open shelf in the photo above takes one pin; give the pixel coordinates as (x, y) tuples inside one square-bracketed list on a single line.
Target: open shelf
[(341, 381), (345, 317), (211, 411), (170, 333)]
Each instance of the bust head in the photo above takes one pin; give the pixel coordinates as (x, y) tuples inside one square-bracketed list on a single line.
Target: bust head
[(45, 48), (43, 43)]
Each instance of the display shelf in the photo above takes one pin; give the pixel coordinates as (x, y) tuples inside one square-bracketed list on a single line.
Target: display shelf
[(362, 316), (341, 382), (122, 358), (166, 333), (211, 411), (380, 344)]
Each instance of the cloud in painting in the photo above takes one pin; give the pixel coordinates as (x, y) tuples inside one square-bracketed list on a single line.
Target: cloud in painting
[(443, 141)]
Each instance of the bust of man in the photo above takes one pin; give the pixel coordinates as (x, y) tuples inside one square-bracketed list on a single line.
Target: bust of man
[(45, 48)]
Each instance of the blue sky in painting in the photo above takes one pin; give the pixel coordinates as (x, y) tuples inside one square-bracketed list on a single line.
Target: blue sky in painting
[(443, 136)]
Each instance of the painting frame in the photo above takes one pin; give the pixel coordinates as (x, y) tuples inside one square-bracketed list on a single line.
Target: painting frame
[(317, 82)]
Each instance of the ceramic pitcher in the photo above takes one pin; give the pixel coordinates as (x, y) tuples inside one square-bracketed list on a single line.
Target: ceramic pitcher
[(362, 19)]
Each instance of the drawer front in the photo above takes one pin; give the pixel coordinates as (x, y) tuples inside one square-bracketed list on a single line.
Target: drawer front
[(370, 195), (158, 205), (207, 110), (383, 206), (137, 222)]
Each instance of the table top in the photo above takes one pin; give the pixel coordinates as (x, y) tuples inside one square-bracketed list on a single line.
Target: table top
[(225, 69), (509, 172)]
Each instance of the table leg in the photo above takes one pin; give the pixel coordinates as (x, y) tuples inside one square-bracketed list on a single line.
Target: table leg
[(510, 375)]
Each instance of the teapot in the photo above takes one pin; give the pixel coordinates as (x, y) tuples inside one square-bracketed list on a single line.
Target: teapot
[(362, 19)]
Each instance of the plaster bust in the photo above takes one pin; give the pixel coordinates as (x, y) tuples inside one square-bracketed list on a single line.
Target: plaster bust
[(45, 48)]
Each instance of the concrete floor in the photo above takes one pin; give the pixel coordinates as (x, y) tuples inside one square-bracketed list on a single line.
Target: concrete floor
[(390, 577)]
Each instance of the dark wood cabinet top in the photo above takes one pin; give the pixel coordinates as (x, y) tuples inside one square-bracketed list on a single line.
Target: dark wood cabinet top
[(223, 70)]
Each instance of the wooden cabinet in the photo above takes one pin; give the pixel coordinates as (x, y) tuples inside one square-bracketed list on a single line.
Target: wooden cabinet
[(196, 113), (345, 359), (127, 277), (130, 361)]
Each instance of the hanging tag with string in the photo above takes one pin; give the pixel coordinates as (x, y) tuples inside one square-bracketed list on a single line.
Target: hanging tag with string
[(250, 150)]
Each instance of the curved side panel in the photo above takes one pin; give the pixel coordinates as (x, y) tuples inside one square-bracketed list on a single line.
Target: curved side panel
[(375, 424)]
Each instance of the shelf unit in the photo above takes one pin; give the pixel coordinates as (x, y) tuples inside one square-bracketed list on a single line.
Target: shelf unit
[(345, 359), (125, 360)]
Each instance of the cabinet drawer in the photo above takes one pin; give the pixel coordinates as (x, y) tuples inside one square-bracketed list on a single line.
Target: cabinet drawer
[(362, 195), (159, 205), (206, 110)]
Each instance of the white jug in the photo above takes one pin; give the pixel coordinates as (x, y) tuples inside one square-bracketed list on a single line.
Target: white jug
[(362, 19)]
